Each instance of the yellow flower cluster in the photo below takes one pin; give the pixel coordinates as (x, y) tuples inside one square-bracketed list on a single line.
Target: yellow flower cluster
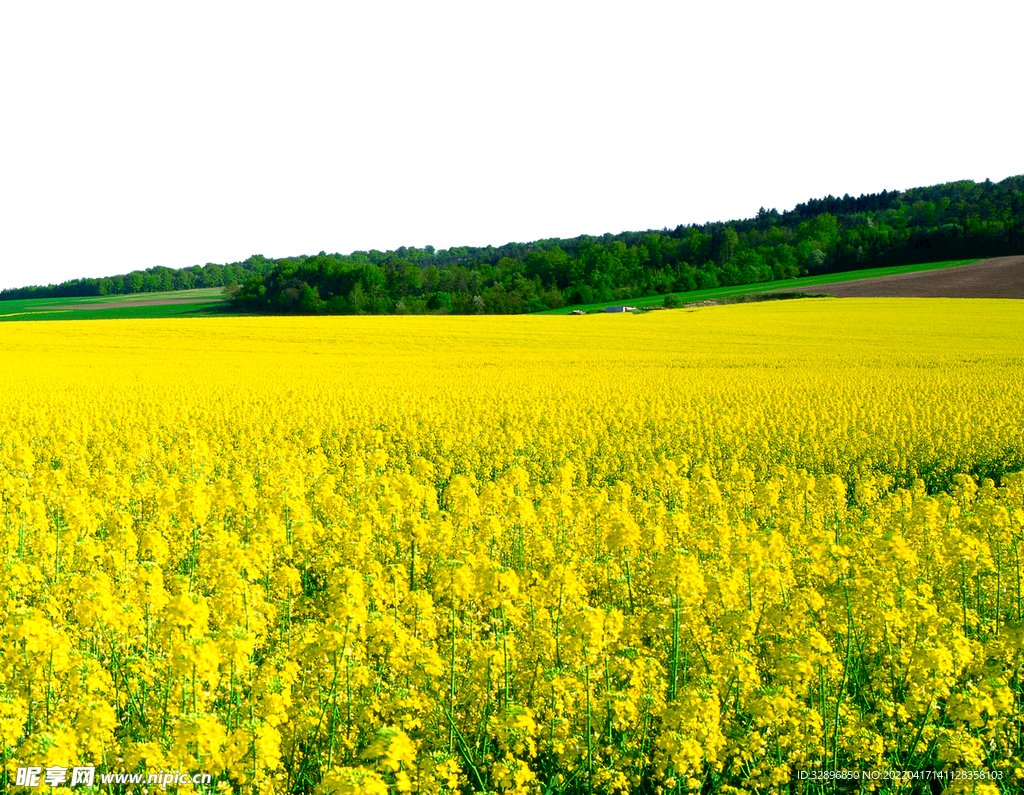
[(680, 552)]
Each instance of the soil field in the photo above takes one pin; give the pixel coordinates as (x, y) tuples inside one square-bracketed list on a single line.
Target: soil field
[(1000, 277), (124, 304)]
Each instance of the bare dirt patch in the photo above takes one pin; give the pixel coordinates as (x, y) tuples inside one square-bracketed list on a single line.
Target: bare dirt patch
[(125, 304), (1000, 277)]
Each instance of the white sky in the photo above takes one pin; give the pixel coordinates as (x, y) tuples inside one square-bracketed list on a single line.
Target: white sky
[(135, 134)]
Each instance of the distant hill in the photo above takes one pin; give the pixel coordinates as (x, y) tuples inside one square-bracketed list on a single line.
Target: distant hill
[(951, 221), (153, 280)]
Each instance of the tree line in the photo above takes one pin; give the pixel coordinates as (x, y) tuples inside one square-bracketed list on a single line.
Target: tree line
[(152, 280), (955, 220)]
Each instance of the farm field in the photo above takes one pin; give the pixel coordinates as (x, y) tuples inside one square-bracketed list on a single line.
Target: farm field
[(998, 277), (763, 548), (993, 279), (802, 284), (200, 302)]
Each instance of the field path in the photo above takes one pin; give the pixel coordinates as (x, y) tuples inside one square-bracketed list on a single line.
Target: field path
[(1000, 277)]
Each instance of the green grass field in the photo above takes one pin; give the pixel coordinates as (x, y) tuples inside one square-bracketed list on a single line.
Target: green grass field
[(206, 301), (801, 284)]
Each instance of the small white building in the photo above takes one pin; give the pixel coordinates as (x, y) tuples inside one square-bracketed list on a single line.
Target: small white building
[(620, 309)]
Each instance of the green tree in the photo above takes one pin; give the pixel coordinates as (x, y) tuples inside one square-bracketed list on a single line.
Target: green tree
[(729, 243), (213, 275), (357, 300)]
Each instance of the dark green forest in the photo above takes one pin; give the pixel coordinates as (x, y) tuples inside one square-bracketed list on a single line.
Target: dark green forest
[(955, 220)]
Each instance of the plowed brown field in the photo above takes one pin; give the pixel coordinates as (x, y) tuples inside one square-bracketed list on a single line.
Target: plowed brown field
[(1000, 277)]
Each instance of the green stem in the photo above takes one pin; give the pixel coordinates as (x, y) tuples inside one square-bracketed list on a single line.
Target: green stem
[(629, 586), (348, 696), (463, 748), (963, 593), (451, 685), (49, 680), (590, 746), (504, 651), (842, 686), (675, 649), (999, 582), (412, 562)]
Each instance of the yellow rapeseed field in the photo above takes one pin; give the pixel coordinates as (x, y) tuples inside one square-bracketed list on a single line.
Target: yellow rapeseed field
[(752, 549)]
